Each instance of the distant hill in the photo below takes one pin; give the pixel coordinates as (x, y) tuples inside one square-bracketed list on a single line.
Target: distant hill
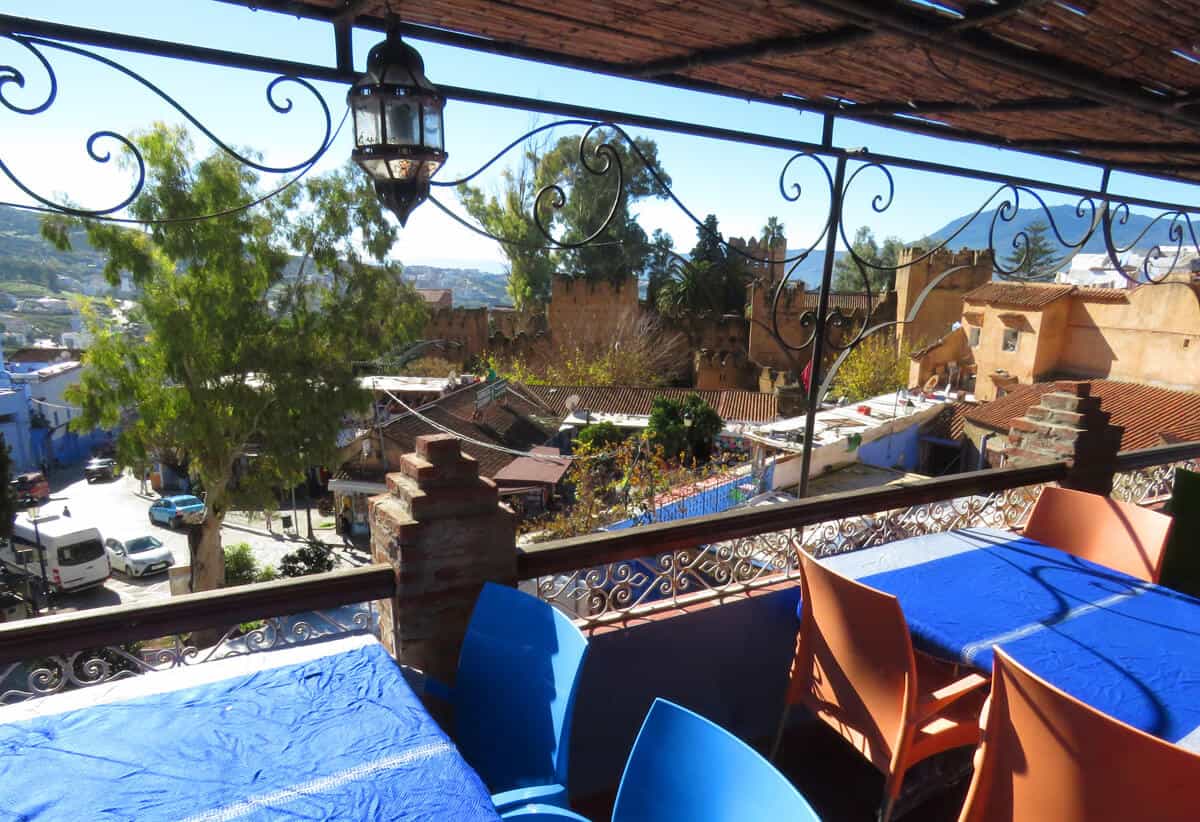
[(1070, 226), (472, 288), (26, 257)]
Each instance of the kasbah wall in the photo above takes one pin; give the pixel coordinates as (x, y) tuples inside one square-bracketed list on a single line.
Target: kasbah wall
[(727, 351)]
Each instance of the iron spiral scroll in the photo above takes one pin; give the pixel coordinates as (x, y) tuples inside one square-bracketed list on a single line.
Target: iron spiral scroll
[(98, 144)]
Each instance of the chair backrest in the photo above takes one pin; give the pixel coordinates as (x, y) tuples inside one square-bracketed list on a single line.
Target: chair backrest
[(514, 693), (854, 663), (1046, 755), (684, 767), (1118, 535), (1181, 559)]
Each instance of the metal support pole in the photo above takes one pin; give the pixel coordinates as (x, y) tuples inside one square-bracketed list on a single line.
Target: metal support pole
[(818, 342)]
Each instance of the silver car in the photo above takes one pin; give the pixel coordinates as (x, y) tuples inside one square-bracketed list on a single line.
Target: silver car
[(138, 556)]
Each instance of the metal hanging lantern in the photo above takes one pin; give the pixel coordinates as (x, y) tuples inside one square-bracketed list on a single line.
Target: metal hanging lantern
[(397, 125)]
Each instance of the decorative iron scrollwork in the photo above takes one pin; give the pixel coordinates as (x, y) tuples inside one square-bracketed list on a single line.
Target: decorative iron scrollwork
[(12, 76), (50, 675), (622, 589)]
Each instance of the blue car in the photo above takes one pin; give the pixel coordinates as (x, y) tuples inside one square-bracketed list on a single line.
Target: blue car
[(177, 510)]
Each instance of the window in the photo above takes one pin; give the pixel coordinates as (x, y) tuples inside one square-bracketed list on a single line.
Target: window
[(973, 336), (1011, 336), (80, 552)]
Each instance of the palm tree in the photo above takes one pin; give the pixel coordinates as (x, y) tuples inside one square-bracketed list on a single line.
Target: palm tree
[(690, 290), (772, 232)]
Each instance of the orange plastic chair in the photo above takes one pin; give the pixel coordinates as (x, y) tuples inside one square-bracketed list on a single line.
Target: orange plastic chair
[(1115, 534), (855, 668), (1046, 755)]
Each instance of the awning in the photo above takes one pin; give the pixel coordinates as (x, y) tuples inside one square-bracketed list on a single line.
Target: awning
[(352, 486)]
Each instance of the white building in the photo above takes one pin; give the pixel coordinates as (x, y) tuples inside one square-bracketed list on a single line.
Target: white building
[(1098, 271)]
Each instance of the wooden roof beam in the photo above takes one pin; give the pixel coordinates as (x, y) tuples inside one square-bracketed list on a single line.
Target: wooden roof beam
[(982, 46), (756, 50), (954, 106)]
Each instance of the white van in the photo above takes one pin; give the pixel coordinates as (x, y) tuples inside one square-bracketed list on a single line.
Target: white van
[(75, 556)]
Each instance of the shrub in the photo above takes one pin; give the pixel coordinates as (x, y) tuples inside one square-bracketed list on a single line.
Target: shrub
[(308, 559), (241, 568)]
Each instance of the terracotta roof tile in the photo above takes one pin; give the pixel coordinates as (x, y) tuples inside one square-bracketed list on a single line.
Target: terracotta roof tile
[(1019, 295), (1146, 412), (739, 406)]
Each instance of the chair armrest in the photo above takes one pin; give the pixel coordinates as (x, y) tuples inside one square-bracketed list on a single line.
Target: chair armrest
[(540, 795), (538, 813), (938, 700)]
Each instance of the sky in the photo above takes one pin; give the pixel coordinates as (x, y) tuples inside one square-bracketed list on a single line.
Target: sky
[(739, 183)]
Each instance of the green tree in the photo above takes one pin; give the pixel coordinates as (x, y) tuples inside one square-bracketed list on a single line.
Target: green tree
[(686, 428), (1039, 259), (692, 289), (510, 215), (846, 273), (244, 372), (875, 367), (772, 232), (658, 265), (623, 248), (599, 436), (725, 275)]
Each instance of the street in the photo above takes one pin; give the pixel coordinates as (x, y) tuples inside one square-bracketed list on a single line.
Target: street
[(117, 509)]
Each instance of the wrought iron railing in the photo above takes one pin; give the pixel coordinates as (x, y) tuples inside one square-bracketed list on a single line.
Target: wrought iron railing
[(56, 654), (608, 578), (1150, 484)]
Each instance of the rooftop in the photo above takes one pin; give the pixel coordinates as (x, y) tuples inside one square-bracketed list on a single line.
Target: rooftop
[(730, 405), (1146, 412)]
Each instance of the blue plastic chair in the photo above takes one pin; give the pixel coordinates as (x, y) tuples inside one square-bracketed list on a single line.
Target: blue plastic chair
[(684, 768), (544, 813), (514, 694)]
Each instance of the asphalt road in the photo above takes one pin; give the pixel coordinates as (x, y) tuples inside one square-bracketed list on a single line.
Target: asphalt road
[(118, 510)]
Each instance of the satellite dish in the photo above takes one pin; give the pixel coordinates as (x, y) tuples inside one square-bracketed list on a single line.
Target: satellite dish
[(572, 403)]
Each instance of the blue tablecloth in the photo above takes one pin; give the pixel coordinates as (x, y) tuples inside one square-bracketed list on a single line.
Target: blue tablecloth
[(1127, 647), (339, 736)]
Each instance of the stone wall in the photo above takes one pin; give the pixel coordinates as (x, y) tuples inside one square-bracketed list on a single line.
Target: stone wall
[(466, 326), (717, 370), (583, 313), (944, 305)]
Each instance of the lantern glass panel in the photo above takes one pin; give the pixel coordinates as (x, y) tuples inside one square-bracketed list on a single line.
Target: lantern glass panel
[(403, 125), (433, 127), (401, 169), (375, 167), (366, 121)]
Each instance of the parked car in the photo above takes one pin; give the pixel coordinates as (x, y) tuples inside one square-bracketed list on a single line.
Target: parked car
[(100, 468), (139, 556), (176, 510), (31, 488)]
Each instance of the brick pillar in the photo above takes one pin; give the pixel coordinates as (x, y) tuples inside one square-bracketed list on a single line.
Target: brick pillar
[(1067, 424), (443, 530)]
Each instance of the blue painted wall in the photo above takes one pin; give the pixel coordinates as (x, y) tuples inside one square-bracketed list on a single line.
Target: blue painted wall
[(900, 450)]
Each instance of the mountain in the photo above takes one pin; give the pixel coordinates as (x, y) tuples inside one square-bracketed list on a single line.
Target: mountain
[(1070, 226)]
